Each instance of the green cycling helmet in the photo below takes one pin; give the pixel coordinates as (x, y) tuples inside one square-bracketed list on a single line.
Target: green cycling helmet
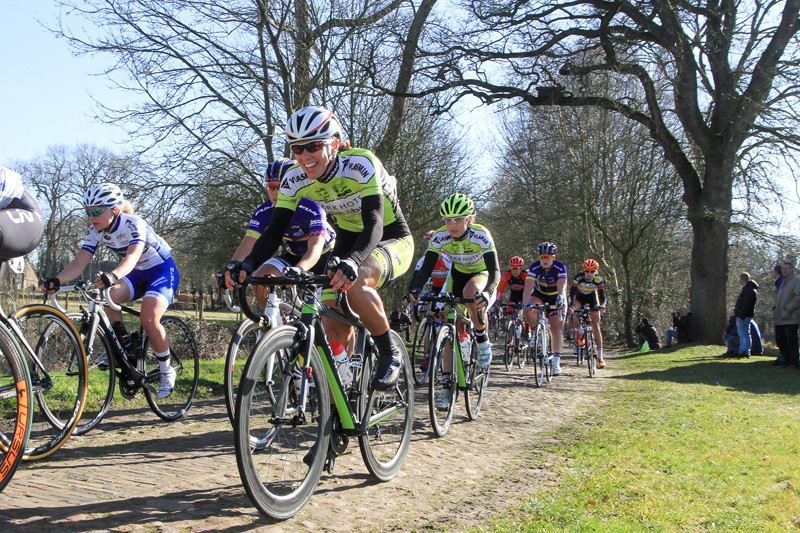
[(457, 205)]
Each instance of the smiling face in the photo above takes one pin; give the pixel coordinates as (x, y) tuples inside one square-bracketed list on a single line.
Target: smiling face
[(100, 217), (457, 226), (315, 157)]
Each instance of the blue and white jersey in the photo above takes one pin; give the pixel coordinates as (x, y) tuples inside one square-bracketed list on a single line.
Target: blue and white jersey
[(10, 187), (128, 230)]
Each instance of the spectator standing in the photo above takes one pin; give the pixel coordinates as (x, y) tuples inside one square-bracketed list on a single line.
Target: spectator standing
[(787, 316), (744, 310)]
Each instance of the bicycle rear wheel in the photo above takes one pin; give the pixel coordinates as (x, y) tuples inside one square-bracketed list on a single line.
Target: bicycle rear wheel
[(424, 338), (439, 380), (186, 362), (391, 414), (102, 378), (280, 456), (508, 352), (518, 347), (241, 346), (16, 406), (478, 379), (59, 384)]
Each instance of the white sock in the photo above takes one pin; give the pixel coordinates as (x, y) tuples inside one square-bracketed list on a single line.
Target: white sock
[(163, 360)]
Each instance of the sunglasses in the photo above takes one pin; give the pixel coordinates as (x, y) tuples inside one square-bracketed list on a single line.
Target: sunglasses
[(314, 146), (589, 271), (546, 256), (454, 220), (96, 212)]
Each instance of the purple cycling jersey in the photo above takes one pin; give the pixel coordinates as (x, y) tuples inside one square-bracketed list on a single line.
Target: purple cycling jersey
[(547, 280), (308, 220)]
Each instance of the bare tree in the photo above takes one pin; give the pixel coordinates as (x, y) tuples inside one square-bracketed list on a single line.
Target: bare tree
[(716, 81)]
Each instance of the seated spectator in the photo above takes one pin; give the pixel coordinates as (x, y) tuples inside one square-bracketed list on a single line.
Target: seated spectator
[(648, 333), (731, 337)]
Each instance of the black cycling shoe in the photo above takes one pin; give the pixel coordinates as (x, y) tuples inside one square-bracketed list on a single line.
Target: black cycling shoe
[(308, 459), (387, 371)]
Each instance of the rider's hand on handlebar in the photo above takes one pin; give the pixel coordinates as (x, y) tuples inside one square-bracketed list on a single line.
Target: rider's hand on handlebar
[(236, 272), (51, 285), (345, 274), (482, 299), (293, 272), (105, 280)]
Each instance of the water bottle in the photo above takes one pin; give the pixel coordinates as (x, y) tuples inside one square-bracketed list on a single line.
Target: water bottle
[(466, 347), (342, 362)]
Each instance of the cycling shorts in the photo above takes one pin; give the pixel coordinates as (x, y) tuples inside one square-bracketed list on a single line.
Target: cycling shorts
[(547, 299), (585, 299), (287, 259), (459, 280), (160, 281)]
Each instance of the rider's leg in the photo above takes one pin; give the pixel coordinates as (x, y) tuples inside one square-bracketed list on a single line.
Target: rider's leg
[(474, 286), (598, 338), (557, 331)]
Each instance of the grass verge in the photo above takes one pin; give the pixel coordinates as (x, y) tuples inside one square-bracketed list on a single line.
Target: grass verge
[(686, 441)]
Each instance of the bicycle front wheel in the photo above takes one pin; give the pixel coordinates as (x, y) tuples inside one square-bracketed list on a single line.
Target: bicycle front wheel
[(59, 377), (539, 350), (591, 354), (186, 362), (508, 352), (16, 406), (280, 454), (391, 415), (441, 381), (476, 386), (420, 351), (241, 346), (102, 376)]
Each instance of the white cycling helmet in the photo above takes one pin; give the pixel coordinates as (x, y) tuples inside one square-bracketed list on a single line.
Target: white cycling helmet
[(312, 124), (103, 195)]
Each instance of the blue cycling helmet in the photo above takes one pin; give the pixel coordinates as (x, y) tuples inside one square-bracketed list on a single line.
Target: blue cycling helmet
[(547, 248), (277, 169)]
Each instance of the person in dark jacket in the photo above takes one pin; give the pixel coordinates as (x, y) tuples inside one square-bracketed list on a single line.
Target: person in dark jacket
[(647, 331), (744, 310)]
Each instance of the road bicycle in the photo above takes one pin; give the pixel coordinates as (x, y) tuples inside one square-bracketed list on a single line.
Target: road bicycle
[(130, 362), (584, 340), (16, 405), (465, 374), (514, 337), (243, 342), (56, 362), (540, 347), (495, 322), (424, 341), (285, 440)]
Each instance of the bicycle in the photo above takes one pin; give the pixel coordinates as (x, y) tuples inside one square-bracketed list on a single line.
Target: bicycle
[(284, 443), (242, 345), (585, 341), (56, 362), (541, 346), (465, 374), (424, 340), (514, 337), (16, 405), (135, 367)]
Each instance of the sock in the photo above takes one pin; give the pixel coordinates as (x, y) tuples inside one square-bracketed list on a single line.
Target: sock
[(480, 335), (163, 360), (600, 352), (384, 344)]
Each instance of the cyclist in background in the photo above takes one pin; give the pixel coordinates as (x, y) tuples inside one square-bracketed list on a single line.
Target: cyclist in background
[(588, 288), (307, 240), (372, 238), (475, 272), (21, 224), (441, 269), (547, 284), (514, 279), (146, 270)]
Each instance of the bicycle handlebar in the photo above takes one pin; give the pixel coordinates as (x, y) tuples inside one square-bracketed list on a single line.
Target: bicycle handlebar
[(84, 286)]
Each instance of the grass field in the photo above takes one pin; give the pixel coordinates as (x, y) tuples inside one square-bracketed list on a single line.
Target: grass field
[(687, 441)]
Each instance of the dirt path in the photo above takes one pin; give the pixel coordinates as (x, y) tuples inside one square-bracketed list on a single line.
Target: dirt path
[(135, 473)]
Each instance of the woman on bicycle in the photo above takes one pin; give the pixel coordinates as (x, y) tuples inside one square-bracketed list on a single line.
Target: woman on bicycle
[(372, 238), (307, 240), (547, 284), (588, 288), (514, 279), (475, 271), (146, 270), (21, 224)]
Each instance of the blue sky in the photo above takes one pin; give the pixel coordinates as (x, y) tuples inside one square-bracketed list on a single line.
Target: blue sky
[(47, 93)]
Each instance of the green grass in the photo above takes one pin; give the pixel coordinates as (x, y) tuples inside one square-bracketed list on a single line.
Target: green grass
[(685, 442)]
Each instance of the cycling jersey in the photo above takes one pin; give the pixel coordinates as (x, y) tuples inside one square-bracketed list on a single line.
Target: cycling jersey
[(515, 284), (547, 280), (127, 230), (308, 220), (583, 289), (440, 270), (359, 195)]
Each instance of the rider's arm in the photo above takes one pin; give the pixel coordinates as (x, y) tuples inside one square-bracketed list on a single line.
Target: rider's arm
[(424, 272), (561, 287), (530, 285), (502, 287), (270, 240), (75, 267), (316, 243), (128, 262), (573, 290), (245, 247), (372, 219), (493, 268)]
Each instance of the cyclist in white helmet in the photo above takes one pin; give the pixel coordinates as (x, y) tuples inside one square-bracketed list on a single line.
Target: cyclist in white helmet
[(146, 270), (372, 238)]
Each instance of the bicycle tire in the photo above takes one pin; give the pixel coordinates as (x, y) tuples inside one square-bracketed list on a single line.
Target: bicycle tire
[(508, 352), (441, 420), (548, 364), (186, 362), (517, 347), (61, 394), (102, 381), (476, 386), (274, 475), (591, 354), (419, 352), (538, 356), (240, 347), (16, 406), (385, 445)]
